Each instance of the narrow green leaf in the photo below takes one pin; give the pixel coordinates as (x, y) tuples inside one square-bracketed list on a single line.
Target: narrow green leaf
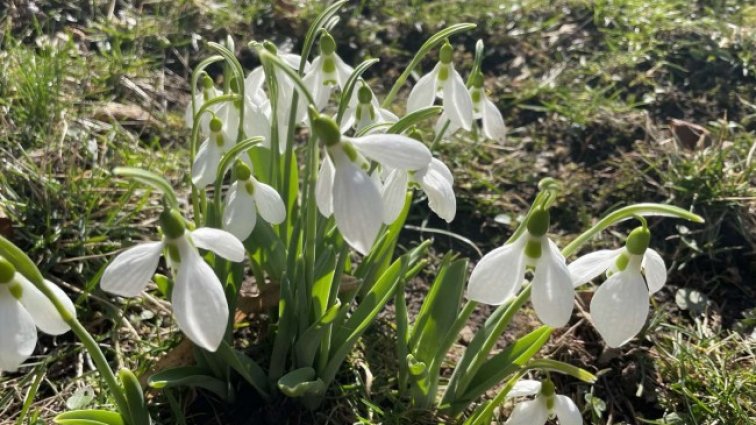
[(89, 417), (135, 398), (301, 382), (189, 376), (561, 367), (414, 118), (346, 93), (150, 179), (246, 367)]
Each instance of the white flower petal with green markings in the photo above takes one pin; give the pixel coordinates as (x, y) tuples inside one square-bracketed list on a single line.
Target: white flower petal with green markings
[(343, 71), (393, 150), (566, 411), (18, 335), (619, 307), (498, 275), (394, 194), (524, 387), (493, 123), (532, 412), (220, 242), (240, 214), (199, 302), (324, 187), (357, 206), (269, 203), (589, 266), (553, 293), (128, 274), (424, 92), (457, 102), (41, 309), (205, 167), (437, 183), (654, 270)]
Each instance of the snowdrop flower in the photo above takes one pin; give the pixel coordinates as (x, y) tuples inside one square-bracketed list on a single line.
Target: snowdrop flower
[(209, 154), (208, 92), (198, 298), (326, 72), (619, 307), (458, 106), (545, 406), (23, 308), (245, 199), (498, 275), (365, 111), (344, 187), (257, 110), (483, 108)]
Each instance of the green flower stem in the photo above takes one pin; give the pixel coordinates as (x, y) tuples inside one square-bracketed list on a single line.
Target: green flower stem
[(627, 213)]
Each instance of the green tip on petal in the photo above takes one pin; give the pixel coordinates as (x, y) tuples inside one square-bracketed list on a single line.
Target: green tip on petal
[(172, 223), (538, 222), (637, 240), (7, 271), (216, 125), (327, 44), (242, 171), (327, 130), (364, 95), (445, 56)]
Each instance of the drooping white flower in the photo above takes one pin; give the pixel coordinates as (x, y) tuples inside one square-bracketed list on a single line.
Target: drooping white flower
[(364, 111), (205, 167), (326, 72), (546, 405), (23, 309), (198, 299), (498, 275), (435, 180), (483, 108), (344, 187), (458, 106), (619, 307), (246, 197)]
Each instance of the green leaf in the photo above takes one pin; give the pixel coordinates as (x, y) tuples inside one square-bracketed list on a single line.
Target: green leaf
[(346, 93), (150, 179), (507, 362), (301, 382), (89, 417), (135, 398), (414, 118), (189, 376), (565, 368), (270, 251), (246, 367)]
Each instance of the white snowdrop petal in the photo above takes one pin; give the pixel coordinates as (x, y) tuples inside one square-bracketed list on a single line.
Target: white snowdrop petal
[(220, 242), (442, 121), (532, 412), (620, 307), (457, 102), (228, 113), (394, 195), (18, 336), (324, 187), (269, 203), (240, 214), (655, 270), (256, 123), (436, 182), (424, 92), (566, 410), (128, 274), (254, 81), (357, 206), (524, 387), (393, 150), (343, 71), (589, 266), (206, 162), (493, 123), (498, 275), (553, 293), (199, 302), (41, 309)]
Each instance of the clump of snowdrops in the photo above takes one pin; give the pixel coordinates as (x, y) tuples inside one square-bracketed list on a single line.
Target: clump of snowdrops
[(322, 235)]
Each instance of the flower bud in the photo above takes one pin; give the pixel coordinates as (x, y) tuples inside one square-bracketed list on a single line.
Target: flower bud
[(538, 222), (7, 271), (207, 82), (445, 55), (216, 125), (637, 241), (172, 223), (327, 44), (327, 130), (242, 171), (364, 95)]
